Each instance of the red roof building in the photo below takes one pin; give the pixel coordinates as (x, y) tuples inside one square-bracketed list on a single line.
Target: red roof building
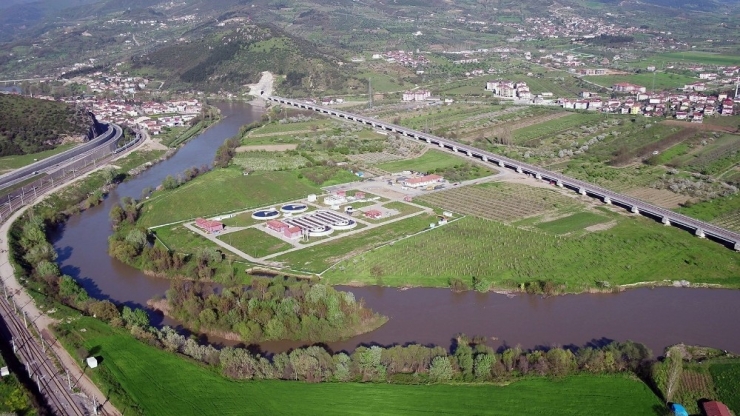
[(278, 226), (292, 232), (715, 409), (422, 181), (340, 193), (373, 214), (209, 226)]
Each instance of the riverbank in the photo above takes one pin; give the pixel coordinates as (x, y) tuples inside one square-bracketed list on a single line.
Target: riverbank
[(139, 375)]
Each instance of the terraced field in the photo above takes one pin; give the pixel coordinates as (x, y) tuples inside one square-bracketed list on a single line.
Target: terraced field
[(499, 201)]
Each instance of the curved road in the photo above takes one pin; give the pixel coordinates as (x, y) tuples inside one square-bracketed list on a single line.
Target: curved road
[(666, 216), (109, 138)]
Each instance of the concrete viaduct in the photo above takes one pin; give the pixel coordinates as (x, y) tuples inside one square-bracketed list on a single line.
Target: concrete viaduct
[(667, 217)]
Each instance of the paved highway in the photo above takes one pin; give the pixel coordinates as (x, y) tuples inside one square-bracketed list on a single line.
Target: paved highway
[(107, 140), (668, 217)]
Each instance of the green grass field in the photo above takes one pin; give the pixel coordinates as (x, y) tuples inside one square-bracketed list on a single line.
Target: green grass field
[(221, 191), (429, 161), (574, 222), (707, 58), (726, 378), (19, 161), (255, 242), (552, 127), (317, 258), (180, 239), (141, 379), (634, 250), (663, 81)]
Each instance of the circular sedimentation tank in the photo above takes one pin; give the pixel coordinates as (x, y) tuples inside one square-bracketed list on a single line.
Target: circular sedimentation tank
[(293, 208), (266, 214)]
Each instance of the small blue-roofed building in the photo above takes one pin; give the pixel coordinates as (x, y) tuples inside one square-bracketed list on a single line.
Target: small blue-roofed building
[(679, 410)]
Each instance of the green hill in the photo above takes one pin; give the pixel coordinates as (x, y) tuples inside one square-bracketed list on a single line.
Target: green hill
[(216, 59), (31, 125)]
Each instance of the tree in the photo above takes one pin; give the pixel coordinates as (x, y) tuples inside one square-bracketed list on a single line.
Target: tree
[(137, 238), (441, 369), (104, 310), (135, 317), (464, 356), (109, 175), (482, 366), (170, 182)]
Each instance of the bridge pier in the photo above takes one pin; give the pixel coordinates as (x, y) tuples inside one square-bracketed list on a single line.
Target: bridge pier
[(607, 200), (666, 221), (635, 210), (454, 149), (500, 163), (560, 183), (470, 154), (699, 233), (538, 176), (483, 158), (581, 191), (736, 247), (429, 140), (519, 170), (441, 145)]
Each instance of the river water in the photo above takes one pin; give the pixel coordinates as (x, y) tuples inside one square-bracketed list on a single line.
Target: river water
[(657, 317)]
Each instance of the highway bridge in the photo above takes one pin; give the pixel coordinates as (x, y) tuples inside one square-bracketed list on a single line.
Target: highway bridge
[(108, 140), (667, 217)]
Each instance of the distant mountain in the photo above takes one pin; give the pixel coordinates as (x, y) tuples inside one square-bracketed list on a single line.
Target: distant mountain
[(226, 59), (18, 15), (30, 125)]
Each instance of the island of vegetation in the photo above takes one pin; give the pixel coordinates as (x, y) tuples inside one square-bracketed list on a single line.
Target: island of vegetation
[(271, 309)]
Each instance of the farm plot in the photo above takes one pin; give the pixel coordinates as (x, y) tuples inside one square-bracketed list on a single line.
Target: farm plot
[(499, 201), (374, 158), (717, 159), (553, 125), (633, 250), (730, 221), (255, 242), (267, 160), (660, 197), (571, 223), (694, 385)]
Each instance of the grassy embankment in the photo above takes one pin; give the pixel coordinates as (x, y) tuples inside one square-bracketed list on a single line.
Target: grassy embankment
[(141, 379)]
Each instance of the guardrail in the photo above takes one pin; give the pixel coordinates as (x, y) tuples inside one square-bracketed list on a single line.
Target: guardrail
[(667, 217)]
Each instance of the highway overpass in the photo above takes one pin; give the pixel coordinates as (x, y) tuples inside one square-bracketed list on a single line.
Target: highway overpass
[(109, 138), (699, 228)]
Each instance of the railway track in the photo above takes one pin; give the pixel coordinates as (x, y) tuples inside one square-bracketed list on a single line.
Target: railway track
[(31, 351), (39, 366)]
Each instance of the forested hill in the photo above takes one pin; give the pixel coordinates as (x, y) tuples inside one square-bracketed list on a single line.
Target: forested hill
[(234, 56), (30, 125)]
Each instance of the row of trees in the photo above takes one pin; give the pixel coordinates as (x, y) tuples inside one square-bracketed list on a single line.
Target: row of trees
[(470, 361), (272, 309)]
